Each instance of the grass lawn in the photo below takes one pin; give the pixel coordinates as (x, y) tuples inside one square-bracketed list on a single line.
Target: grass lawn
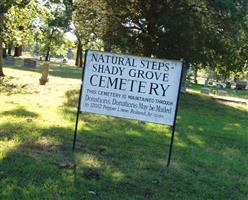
[(115, 158), (231, 92)]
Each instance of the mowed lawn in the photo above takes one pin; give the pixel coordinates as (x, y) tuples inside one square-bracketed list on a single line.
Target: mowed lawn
[(115, 158)]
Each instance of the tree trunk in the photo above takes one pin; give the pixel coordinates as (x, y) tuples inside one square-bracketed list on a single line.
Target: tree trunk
[(195, 75), (1, 46), (183, 84), (107, 46), (149, 39), (206, 82), (4, 52), (1, 58), (18, 51), (48, 54), (148, 47), (226, 76), (47, 58), (79, 57), (9, 50)]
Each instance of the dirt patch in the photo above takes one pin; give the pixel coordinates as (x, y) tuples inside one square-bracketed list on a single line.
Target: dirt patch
[(7, 86)]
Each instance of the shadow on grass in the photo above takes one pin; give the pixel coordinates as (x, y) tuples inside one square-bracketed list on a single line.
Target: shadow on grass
[(44, 158), (20, 112), (211, 138), (123, 159)]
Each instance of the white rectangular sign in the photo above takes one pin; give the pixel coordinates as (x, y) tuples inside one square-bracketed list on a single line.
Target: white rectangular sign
[(131, 87)]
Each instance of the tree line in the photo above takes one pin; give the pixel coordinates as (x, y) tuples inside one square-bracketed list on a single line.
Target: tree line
[(209, 34)]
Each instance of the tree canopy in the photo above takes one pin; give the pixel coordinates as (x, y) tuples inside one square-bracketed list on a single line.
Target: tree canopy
[(200, 31)]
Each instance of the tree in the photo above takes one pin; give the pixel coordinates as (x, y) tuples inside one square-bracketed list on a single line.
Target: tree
[(5, 6), (199, 31), (16, 22), (22, 25), (57, 45), (1, 45), (87, 21), (55, 28)]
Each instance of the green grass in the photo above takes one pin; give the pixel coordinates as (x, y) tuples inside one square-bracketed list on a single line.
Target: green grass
[(114, 158)]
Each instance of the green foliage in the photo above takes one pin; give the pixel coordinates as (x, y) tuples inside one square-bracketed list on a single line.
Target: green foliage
[(7, 4), (58, 44), (87, 19), (22, 24), (209, 33), (53, 40)]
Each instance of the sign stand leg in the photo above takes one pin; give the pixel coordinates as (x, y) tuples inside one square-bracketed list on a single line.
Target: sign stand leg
[(171, 144), (76, 126), (175, 117), (79, 104)]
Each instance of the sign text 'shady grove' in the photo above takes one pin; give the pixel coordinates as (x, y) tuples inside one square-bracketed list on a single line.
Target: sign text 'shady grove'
[(109, 70)]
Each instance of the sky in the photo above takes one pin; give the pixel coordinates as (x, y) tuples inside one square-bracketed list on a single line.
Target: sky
[(71, 36)]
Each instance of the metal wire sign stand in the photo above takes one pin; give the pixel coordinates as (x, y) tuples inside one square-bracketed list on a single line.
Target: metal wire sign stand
[(131, 87)]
